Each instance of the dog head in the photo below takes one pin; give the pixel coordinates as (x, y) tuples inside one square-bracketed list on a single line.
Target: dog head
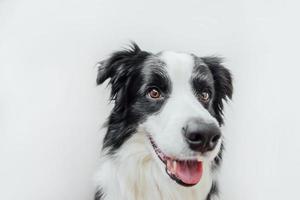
[(176, 99)]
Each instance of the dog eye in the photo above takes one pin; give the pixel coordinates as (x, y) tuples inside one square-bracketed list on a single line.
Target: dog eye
[(204, 97), (154, 93)]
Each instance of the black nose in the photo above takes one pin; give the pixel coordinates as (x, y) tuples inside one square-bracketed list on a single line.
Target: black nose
[(200, 136)]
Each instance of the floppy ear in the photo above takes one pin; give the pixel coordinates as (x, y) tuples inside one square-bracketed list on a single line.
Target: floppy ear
[(222, 83), (116, 64), (119, 68)]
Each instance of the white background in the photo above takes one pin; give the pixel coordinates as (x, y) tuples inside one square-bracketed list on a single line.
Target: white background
[(51, 110)]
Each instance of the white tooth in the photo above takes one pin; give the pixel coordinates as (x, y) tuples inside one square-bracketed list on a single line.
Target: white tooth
[(174, 165), (169, 163), (199, 158)]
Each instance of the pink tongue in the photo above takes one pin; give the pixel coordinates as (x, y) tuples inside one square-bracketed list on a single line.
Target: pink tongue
[(189, 172)]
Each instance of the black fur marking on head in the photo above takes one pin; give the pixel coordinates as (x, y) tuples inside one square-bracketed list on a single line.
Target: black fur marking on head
[(132, 73), (222, 83), (214, 191), (202, 80)]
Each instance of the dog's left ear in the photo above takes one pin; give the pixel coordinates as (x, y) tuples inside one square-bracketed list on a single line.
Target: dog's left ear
[(222, 82)]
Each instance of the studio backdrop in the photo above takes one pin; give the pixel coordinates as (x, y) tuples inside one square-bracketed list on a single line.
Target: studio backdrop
[(51, 111)]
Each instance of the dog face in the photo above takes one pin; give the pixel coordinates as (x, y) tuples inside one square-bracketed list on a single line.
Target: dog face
[(175, 99)]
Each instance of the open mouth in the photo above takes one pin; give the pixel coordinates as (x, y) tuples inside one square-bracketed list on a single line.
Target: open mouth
[(184, 172)]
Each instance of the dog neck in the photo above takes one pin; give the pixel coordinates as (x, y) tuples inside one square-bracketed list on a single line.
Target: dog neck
[(132, 173)]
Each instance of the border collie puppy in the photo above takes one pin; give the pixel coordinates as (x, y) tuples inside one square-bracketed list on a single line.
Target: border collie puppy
[(163, 138)]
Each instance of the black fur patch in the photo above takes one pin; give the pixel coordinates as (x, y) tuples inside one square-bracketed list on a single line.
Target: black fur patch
[(222, 84), (99, 195), (202, 81), (214, 191)]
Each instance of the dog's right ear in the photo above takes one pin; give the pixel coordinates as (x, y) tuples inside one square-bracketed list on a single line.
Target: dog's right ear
[(113, 65), (118, 68)]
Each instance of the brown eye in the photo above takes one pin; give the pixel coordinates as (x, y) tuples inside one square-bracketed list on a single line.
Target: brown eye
[(204, 97), (154, 93)]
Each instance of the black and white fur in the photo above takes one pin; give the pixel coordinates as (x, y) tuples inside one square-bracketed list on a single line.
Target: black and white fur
[(129, 168)]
